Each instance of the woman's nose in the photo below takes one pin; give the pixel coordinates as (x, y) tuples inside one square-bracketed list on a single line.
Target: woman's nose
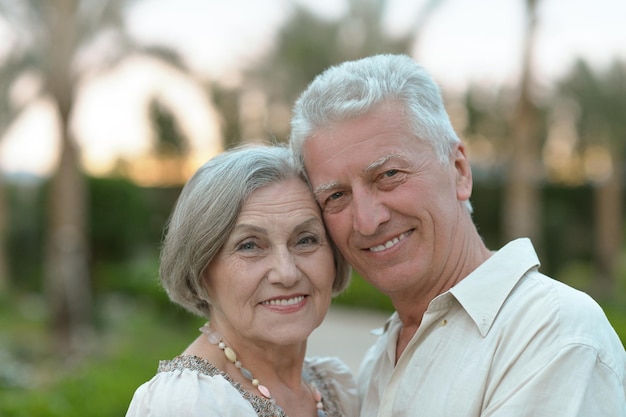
[(284, 269)]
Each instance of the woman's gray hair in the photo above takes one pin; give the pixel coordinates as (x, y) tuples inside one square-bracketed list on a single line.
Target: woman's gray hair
[(206, 212), (354, 88)]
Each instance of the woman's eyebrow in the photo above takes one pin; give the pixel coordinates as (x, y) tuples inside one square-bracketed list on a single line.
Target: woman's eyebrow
[(248, 227), (309, 223)]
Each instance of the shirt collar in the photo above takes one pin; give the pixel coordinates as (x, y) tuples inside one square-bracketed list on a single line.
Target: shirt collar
[(483, 292), (381, 330)]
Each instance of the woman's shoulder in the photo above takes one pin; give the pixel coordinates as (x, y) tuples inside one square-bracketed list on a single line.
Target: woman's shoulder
[(188, 386), (191, 363)]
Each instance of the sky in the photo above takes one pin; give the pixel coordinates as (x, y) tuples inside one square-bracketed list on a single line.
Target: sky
[(464, 41)]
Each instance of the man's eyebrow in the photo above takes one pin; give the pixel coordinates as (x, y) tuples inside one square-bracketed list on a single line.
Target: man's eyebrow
[(381, 161), (323, 188)]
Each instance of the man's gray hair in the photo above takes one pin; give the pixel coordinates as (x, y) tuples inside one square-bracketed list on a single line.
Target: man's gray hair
[(355, 88)]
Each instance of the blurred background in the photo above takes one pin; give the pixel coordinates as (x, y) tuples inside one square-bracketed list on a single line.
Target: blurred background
[(107, 107)]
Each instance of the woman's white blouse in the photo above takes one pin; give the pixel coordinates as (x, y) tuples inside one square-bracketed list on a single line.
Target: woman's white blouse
[(190, 386)]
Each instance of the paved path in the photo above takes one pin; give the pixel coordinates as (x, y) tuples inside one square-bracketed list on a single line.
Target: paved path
[(346, 333)]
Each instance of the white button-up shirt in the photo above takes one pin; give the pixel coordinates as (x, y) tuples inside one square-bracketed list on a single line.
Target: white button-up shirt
[(505, 341)]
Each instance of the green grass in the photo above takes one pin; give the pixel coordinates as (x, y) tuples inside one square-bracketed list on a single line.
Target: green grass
[(133, 338)]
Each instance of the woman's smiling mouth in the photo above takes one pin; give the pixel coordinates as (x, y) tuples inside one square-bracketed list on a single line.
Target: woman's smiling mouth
[(284, 301)]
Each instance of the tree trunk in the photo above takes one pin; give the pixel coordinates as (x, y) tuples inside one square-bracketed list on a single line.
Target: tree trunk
[(67, 278), (522, 198), (522, 204), (68, 284)]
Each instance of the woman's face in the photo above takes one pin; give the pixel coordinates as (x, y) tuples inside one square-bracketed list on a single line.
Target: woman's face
[(271, 283)]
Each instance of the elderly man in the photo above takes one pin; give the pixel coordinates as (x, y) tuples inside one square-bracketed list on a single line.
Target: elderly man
[(475, 332)]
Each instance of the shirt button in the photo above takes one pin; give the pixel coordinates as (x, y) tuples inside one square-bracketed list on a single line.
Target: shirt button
[(443, 322)]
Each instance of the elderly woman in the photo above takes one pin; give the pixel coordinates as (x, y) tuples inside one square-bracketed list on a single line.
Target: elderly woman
[(247, 248)]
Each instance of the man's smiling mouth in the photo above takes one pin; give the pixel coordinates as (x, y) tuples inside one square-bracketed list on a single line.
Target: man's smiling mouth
[(389, 243)]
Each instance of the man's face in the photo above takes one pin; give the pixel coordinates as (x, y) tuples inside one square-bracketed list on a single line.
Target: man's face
[(389, 204)]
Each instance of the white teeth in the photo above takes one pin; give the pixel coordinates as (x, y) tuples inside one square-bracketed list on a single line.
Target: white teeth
[(389, 243), (284, 302)]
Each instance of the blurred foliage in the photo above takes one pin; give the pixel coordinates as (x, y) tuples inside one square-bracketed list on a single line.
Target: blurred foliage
[(600, 97), (25, 235), (126, 224), (170, 140), (122, 221), (362, 294)]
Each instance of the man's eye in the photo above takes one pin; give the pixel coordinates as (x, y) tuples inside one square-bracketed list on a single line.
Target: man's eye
[(335, 202), (335, 196), (390, 173)]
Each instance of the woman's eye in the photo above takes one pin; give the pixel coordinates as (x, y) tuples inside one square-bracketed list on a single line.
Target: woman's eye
[(249, 245), (308, 240)]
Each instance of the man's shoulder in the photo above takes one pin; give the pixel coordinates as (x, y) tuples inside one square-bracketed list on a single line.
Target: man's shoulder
[(548, 293), (570, 315)]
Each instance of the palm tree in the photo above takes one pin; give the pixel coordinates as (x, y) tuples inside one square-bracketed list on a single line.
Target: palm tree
[(522, 197), (171, 146), (54, 35), (297, 56)]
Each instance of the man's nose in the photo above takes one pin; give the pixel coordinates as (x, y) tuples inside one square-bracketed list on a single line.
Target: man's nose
[(368, 210)]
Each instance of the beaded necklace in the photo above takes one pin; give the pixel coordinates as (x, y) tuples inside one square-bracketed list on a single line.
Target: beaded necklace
[(215, 338)]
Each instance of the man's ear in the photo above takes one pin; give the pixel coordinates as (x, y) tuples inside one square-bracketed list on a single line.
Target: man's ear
[(463, 173)]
